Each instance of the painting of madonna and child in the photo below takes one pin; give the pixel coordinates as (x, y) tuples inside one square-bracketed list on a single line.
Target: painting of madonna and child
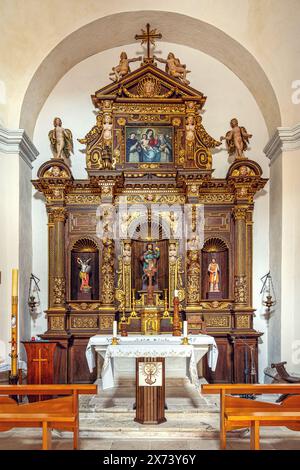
[(149, 144)]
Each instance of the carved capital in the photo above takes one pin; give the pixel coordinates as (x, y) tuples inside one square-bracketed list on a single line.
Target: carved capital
[(59, 214), (240, 212)]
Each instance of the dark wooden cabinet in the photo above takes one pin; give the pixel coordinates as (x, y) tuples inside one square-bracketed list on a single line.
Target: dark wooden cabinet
[(237, 360)]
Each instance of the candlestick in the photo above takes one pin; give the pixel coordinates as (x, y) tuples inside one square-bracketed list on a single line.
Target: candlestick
[(166, 311), (185, 339), (115, 332), (133, 312), (14, 328)]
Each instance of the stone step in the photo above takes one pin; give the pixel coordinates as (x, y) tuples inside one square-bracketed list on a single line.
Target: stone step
[(113, 425)]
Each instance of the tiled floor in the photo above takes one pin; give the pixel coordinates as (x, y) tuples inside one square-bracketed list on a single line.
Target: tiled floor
[(275, 438)]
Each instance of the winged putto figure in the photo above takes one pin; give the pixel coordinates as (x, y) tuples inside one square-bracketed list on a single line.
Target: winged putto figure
[(237, 139), (61, 141)]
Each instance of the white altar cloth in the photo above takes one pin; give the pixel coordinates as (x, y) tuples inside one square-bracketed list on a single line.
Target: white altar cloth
[(150, 346)]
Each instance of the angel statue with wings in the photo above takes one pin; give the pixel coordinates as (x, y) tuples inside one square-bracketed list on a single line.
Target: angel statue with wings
[(236, 139), (61, 141)]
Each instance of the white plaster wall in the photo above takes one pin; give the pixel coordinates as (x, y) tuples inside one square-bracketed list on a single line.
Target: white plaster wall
[(227, 97), (276, 257), (9, 239), (290, 325)]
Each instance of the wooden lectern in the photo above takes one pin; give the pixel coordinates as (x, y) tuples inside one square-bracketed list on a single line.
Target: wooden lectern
[(40, 363), (150, 390)]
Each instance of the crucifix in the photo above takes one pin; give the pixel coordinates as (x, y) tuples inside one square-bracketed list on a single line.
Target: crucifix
[(148, 37)]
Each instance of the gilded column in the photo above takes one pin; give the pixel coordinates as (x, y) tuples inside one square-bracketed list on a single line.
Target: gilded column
[(51, 259), (240, 276), (193, 282), (59, 281), (108, 272)]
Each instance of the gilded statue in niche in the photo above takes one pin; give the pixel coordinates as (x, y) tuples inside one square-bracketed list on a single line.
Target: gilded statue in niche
[(119, 71), (174, 67), (61, 141), (237, 139)]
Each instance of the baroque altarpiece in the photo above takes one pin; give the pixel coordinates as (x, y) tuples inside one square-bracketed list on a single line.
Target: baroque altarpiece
[(148, 150)]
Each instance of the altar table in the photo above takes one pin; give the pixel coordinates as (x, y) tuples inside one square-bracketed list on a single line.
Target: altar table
[(151, 346)]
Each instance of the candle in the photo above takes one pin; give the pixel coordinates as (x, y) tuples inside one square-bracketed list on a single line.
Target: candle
[(176, 293), (115, 329), (15, 274), (185, 330), (14, 327)]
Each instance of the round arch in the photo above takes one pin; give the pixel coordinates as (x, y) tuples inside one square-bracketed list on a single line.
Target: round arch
[(93, 38)]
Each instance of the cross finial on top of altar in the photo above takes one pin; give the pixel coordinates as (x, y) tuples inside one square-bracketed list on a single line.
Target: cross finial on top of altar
[(148, 36)]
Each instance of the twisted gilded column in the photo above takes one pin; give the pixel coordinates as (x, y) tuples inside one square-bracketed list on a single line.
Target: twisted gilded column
[(59, 282), (240, 276)]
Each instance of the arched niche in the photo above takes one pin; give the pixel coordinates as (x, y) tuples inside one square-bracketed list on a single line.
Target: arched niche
[(138, 247), (85, 251), (218, 249)]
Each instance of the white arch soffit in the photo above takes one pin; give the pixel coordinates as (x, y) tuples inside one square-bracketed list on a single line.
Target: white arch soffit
[(119, 29)]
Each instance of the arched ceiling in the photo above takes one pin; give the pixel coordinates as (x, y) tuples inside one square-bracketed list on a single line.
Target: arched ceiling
[(119, 29)]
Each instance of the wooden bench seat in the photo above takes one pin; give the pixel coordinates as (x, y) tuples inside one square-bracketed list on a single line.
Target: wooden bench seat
[(237, 412), (60, 413)]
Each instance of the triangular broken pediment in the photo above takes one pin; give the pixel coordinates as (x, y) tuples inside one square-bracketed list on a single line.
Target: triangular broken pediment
[(149, 82)]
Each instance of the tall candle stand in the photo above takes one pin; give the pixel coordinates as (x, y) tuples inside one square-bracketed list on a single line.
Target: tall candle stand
[(13, 376)]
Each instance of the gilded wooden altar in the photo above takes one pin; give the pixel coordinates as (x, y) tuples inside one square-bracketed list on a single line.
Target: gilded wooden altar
[(148, 98)]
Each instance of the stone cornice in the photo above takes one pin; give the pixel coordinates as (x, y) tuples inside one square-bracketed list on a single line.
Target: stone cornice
[(285, 139), (17, 142)]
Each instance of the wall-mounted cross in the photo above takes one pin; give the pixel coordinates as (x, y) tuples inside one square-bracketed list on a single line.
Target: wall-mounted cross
[(148, 37)]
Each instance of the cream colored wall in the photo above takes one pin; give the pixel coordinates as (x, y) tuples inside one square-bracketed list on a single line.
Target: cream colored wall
[(290, 292), (267, 29), (9, 253), (227, 97)]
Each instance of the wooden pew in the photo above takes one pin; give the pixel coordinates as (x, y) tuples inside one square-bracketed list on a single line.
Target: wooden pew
[(58, 413), (237, 413)]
